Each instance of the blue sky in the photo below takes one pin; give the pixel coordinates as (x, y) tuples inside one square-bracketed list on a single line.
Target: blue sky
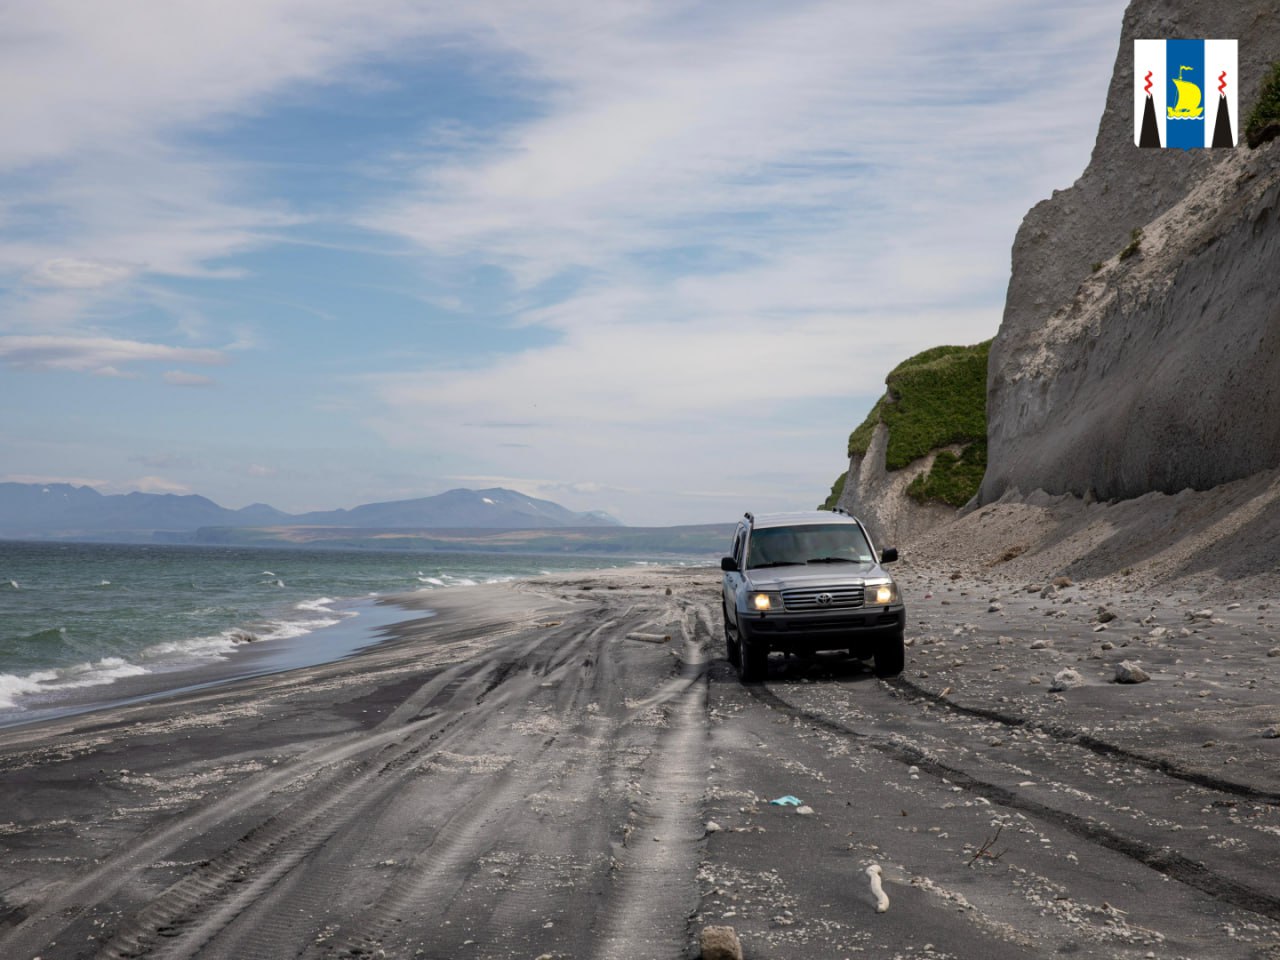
[(654, 259)]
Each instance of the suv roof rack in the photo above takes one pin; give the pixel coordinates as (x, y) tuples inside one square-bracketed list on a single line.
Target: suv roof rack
[(749, 516)]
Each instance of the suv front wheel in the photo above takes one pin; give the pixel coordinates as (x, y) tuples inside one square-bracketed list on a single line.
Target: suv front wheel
[(753, 659), (891, 656), (730, 639)]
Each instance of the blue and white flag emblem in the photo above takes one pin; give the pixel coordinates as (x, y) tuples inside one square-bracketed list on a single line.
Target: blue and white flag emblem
[(1184, 93)]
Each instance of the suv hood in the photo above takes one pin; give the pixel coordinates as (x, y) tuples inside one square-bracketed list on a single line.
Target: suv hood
[(778, 578)]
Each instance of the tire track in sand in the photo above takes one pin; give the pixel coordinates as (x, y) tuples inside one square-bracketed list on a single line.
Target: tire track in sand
[(1161, 859)]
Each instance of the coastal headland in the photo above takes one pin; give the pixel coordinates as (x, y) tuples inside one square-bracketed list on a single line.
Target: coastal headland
[(566, 766)]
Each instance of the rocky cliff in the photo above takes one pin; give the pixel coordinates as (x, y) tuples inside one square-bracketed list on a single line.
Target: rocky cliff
[(1157, 370)]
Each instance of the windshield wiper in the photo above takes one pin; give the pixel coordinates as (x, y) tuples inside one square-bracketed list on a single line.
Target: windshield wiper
[(832, 560), (775, 563)]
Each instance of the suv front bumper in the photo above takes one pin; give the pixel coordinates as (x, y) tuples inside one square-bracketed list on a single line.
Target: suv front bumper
[(860, 629)]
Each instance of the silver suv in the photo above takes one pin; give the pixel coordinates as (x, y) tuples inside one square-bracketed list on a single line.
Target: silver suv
[(804, 582)]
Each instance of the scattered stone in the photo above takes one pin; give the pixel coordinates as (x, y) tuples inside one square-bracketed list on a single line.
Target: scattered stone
[(713, 827), (1107, 645), (1129, 672), (1104, 615), (1032, 588), (1205, 614), (720, 943), (1158, 633), (805, 810), (1061, 582), (995, 606), (650, 637), (1100, 628), (1049, 592), (1039, 643), (1271, 733), (1065, 680), (1274, 652)]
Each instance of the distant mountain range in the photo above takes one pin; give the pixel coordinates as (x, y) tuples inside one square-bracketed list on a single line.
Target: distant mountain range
[(63, 511)]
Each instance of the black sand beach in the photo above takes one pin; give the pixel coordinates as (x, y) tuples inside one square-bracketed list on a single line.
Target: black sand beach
[(567, 767)]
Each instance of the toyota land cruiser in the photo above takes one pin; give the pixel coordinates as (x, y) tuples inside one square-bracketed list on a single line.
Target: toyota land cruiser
[(805, 582)]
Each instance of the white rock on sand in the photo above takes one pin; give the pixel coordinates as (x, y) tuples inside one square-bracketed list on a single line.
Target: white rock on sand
[(1065, 680), (1129, 672)]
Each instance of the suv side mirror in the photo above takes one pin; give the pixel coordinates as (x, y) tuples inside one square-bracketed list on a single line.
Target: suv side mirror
[(728, 564), (888, 554)]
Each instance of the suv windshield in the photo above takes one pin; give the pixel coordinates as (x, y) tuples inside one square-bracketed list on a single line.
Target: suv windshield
[(816, 543)]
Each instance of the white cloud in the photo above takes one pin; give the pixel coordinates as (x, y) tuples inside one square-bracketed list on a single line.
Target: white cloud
[(98, 106), (158, 485), (100, 355), (79, 273), (88, 74)]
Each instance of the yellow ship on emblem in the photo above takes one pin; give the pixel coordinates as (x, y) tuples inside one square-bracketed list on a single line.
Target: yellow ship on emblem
[(1188, 105)]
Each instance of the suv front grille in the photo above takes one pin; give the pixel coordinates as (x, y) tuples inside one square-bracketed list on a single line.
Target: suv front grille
[(822, 598)]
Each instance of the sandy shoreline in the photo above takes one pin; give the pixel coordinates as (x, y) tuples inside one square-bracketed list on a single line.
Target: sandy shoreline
[(535, 770)]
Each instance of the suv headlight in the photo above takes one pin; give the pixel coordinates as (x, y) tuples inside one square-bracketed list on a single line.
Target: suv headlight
[(761, 602), (880, 592)]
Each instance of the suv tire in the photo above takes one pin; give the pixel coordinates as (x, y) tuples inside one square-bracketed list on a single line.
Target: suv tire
[(891, 656), (730, 641), (753, 660)]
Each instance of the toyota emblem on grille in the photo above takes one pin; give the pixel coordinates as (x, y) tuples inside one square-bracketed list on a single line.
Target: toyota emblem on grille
[(823, 598)]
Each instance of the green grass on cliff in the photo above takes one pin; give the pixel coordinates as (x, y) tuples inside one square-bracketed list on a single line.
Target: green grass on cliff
[(952, 480), (837, 489), (1264, 118), (935, 398)]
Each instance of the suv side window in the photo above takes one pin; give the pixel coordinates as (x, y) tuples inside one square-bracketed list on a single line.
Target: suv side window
[(737, 546)]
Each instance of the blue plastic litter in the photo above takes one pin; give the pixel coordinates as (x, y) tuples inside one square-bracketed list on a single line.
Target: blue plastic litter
[(787, 801)]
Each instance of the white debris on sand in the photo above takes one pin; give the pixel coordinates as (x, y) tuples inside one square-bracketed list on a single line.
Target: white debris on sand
[(882, 900)]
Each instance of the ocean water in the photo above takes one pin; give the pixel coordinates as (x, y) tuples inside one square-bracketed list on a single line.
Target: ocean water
[(75, 615)]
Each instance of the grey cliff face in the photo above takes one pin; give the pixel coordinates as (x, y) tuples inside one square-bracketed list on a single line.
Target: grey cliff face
[(1160, 371)]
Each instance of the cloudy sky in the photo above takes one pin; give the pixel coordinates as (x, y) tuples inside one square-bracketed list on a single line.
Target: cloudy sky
[(650, 258)]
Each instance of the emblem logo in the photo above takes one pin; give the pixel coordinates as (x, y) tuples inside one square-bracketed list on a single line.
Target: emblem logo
[(823, 598), (1173, 96)]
